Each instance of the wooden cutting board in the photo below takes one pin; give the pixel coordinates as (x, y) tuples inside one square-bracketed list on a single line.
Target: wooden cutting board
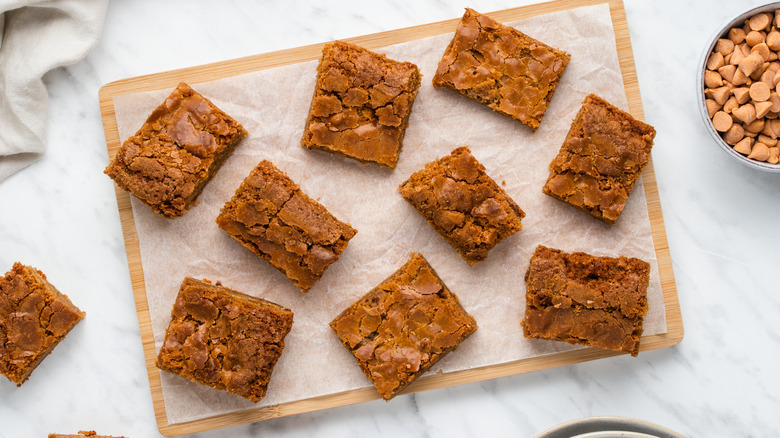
[(209, 72)]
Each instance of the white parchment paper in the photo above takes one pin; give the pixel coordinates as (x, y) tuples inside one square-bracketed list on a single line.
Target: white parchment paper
[(272, 105)]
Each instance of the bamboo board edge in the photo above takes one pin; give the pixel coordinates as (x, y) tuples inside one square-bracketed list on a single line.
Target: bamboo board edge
[(238, 66)]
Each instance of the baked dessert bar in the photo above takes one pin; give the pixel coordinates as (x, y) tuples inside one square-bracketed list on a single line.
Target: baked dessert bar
[(274, 219), (361, 105), (82, 434), (501, 67), (584, 299), (402, 327), (600, 160), (176, 152), (463, 204), (34, 318), (224, 339)]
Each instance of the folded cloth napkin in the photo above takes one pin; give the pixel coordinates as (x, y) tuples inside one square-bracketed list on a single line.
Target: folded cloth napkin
[(36, 37)]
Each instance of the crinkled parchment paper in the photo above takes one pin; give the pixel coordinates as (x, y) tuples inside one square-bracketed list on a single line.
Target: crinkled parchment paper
[(272, 105)]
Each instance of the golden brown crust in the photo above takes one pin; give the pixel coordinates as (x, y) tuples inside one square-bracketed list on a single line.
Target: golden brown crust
[(361, 105), (463, 204), (583, 299), (34, 318), (273, 218), (176, 152), (224, 339), (600, 160), (501, 67), (402, 327)]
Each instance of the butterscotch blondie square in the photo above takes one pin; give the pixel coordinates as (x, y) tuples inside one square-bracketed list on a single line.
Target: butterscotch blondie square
[(600, 160), (361, 105), (176, 152), (402, 327), (224, 339), (273, 218), (34, 318), (501, 67), (583, 299), (463, 204)]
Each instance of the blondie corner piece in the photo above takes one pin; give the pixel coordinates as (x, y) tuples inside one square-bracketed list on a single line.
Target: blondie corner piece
[(34, 318), (273, 218), (583, 299), (600, 160), (501, 67), (176, 152), (402, 327), (463, 204), (82, 434), (224, 339), (361, 105)]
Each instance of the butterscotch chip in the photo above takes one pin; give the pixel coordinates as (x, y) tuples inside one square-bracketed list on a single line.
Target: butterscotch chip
[(402, 327), (773, 40), (730, 105), (176, 152), (745, 114), (754, 37), (759, 91), (712, 79), (722, 121), (762, 109), (724, 46), (712, 107), (755, 126), (223, 338), (361, 105), (463, 204), (759, 152), (501, 67), (769, 141), (34, 318), (600, 160), (583, 299), (744, 146), (273, 218), (720, 94), (774, 155), (715, 61), (742, 95), (727, 72), (734, 134), (759, 21), (739, 78), (737, 35)]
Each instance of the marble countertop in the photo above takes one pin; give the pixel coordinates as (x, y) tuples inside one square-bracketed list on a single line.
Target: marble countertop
[(722, 221)]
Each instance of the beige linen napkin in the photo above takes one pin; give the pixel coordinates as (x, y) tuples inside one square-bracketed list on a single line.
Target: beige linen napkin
[(36, 37)]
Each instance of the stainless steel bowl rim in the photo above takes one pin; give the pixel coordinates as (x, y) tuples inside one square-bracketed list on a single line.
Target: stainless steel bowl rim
[(608, 427)]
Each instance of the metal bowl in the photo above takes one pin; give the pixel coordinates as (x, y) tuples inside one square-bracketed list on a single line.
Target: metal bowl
[(609, 427), (738, 21)]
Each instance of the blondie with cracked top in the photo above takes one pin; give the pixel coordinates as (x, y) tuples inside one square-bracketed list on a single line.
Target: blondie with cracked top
[(600, 160), (583, 299), (463, 204), (273, 218), (361, 105), (176, 152), (402, 327), (501, 67), (34, 318), (224, 339)]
